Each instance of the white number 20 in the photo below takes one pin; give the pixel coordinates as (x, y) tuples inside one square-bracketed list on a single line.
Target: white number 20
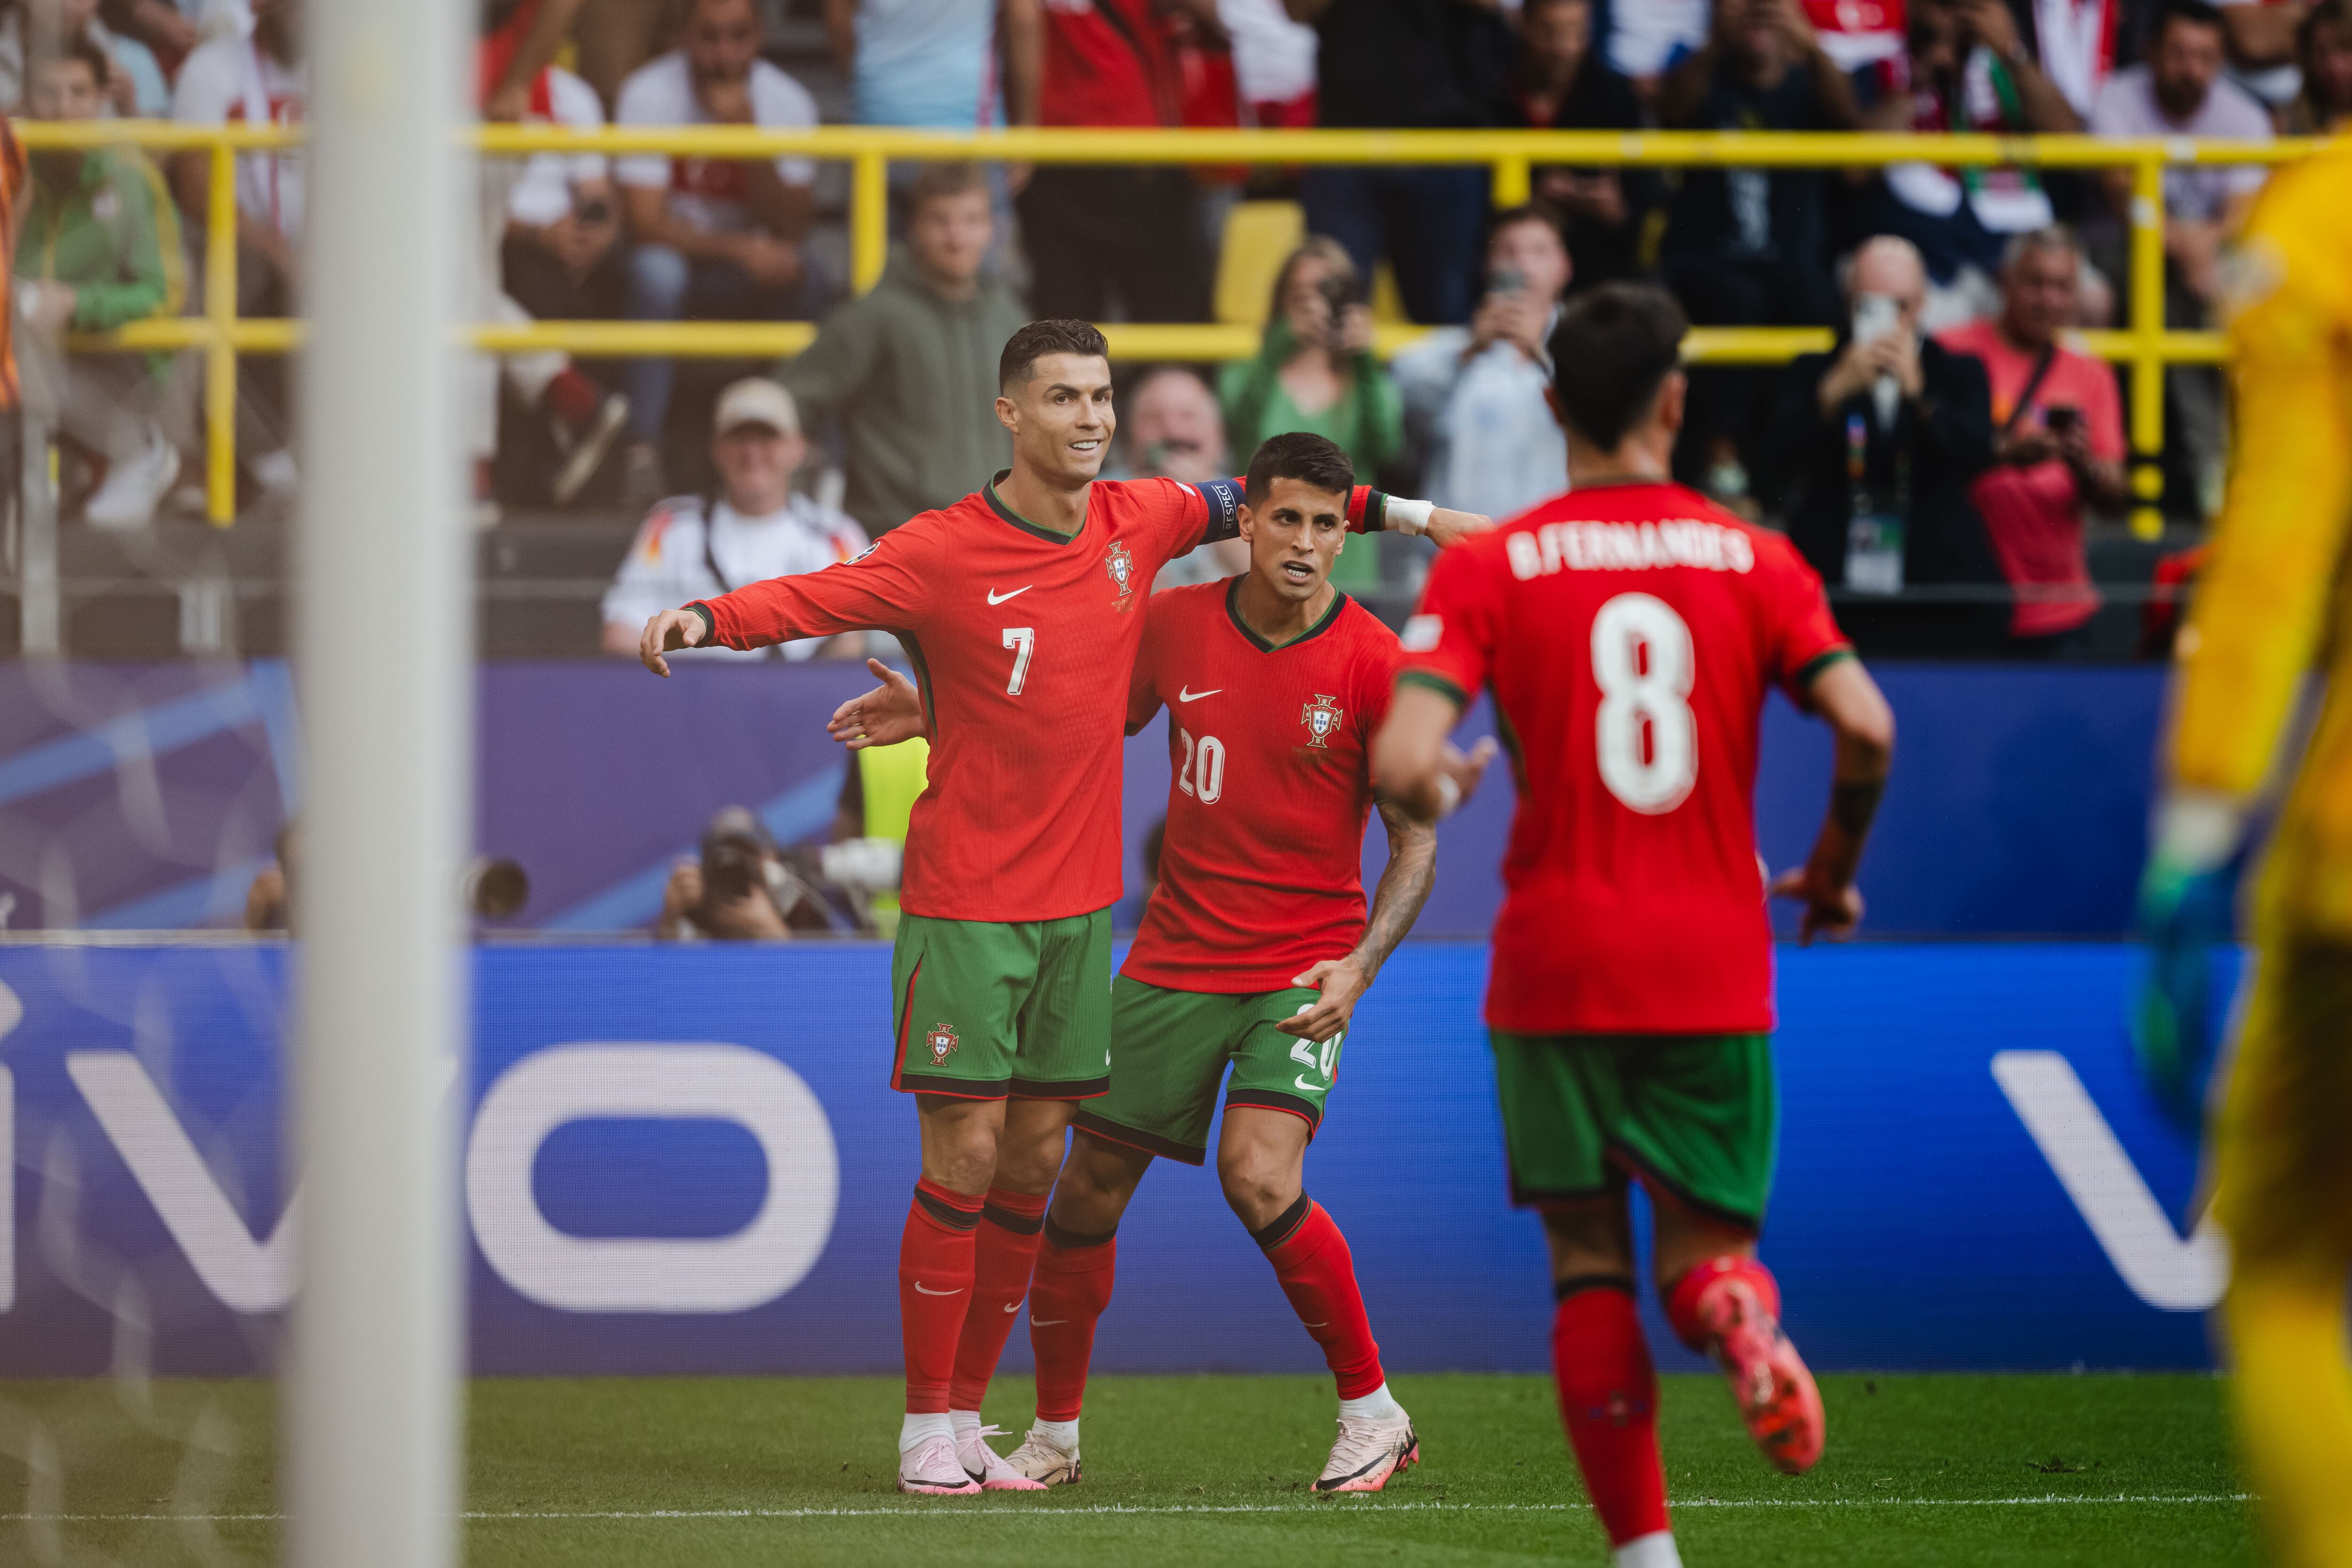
[(1023, 639), (1646, 735), (1202, 774)]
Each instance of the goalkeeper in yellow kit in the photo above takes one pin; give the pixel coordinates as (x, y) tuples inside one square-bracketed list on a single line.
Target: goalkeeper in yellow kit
[(2275, 607)]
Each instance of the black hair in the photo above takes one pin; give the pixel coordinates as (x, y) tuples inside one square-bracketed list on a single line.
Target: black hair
[(1614, 347), (1054, 335), (83, 48), (1296, 455), (1540, 212), (2196, 12)]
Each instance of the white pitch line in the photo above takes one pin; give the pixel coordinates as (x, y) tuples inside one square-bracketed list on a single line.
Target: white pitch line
[(1115, 1509)]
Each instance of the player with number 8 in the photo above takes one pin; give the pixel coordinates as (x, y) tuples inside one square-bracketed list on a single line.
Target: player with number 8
[(1630, 632)]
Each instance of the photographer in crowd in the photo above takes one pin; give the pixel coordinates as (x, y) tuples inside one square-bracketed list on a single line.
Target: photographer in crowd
[(742, 886)]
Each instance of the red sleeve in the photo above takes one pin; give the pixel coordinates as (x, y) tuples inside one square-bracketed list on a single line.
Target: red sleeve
[(1449, 643), (886, 588), (1376, 681), (1143, 696), (1800, 635)]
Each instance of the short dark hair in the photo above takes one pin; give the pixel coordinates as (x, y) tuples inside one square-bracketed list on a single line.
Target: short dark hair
[(1054, 335), (934, 182), (83, 49), (1614, 347), (2196, 12), (1540, 212), (1297, 455)]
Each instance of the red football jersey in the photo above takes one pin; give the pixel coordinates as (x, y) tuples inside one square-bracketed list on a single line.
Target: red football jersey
[(1261, 869), (1022, 641), (1629, 632)]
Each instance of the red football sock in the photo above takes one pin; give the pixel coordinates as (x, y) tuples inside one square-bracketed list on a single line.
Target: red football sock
[(1318, 1274), (1609, 1401), (935, 1275), (1005, 1251), (1681, 1302), (1071, 1290)]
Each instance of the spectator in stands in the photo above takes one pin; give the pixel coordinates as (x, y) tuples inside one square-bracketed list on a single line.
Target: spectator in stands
[(1748, 247), (909, 368), (2260, 36), (1884, 436), (2057, 445), (1560, 82), (1969, 71), (100, 246), (1418, 64), (1475, 395), (133, 86), (944, 64), (560, 253), (2074, 43), (709, 238), (2179, 91), (1647, 38), (255, 78), (1174, 429), (2324, 53), (170, 29), (1316, 373), (615, 36), (1274, 63), (741, 888), (753, 527), (1099, 234)]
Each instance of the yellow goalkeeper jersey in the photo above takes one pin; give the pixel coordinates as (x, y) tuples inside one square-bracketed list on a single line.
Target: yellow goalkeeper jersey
[(2275, 603)]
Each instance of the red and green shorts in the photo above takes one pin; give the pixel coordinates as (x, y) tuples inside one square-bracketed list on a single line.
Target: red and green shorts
[(1169, 1050), (984, 1009), (1693, 1117)]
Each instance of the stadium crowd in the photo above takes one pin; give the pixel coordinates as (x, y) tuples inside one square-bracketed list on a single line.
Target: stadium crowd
[(1866, 455)]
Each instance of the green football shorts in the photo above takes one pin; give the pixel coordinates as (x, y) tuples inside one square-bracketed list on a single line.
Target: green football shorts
[(981, 1009), (1169, 1052), (1694, 1116)]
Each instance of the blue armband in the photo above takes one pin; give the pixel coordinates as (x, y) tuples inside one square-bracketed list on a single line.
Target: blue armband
[(1224, 498)]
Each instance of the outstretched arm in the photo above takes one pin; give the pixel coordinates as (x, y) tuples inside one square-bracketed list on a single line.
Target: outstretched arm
[(1417, 770), (890, 713), (1396, 904), (1843, 695), (1368, 511)]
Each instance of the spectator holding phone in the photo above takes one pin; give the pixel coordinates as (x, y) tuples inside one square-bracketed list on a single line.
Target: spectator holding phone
[(1558, 81), (1316, 373), (2057, 445)]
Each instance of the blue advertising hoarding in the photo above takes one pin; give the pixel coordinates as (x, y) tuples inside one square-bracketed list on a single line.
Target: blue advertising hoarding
[(687, 1159)]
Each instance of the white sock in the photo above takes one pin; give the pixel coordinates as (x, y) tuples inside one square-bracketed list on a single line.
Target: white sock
[(1380, 1404), (965, 1422), (1062, 1434), (1655, 1549), (914, 1428)]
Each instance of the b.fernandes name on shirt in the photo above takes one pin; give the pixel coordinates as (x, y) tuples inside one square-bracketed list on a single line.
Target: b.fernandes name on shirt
[(1628, 547)]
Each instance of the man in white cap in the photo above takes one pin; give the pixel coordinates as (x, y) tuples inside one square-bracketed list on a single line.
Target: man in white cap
[(750, 527)]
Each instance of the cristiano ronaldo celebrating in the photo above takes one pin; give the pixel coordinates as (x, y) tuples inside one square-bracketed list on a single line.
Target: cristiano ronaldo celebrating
[(1021, 606)]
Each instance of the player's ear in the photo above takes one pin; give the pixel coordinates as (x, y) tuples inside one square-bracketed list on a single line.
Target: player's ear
[(1672, 393), (1246, 522), (1008, 413)]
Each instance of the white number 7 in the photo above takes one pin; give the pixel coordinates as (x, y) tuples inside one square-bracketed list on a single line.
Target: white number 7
[(1024, 639)]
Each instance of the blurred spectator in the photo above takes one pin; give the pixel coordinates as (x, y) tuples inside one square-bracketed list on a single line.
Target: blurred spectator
[(1274, 63), (100, 246), (1475, 395), (1969, 71), (255, 78), (1647, 38), (753, 526), (946, 65), (615, 36), (12, 175), (2057, 445), (1316, 373), (520, 40), (1884, 435), (170, 29), (2261, 38), (1748, 247), (2075, 42), (1560, 82), (133, 84), (2323, 51), (1424, 64), (909, 368), (1175, 430), (2179, 91), (741, 888), (1865, 38), (560, 253), (1099, 234), (709, 239)]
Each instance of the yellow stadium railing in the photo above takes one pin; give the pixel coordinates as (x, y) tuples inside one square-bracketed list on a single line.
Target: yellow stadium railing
[(2144, 345)]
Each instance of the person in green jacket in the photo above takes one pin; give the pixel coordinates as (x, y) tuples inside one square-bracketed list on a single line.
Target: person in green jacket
[(1316, 373), (909, 368), (98, 246)]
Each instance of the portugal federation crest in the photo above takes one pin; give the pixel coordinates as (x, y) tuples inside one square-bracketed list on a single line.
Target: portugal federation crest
[(942, 1042), (1321, 718), (1121, 567)]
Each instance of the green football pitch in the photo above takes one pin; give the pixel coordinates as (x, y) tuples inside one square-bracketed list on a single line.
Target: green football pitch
[(1975, 1470)]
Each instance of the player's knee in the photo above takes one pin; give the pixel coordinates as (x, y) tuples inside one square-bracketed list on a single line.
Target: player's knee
[(1258, 1186), (965, 1158)]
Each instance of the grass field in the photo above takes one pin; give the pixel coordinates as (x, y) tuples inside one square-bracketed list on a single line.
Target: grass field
[(1975, 1470)]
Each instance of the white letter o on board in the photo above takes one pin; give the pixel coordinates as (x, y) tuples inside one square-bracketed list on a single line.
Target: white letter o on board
[(653, 1081)]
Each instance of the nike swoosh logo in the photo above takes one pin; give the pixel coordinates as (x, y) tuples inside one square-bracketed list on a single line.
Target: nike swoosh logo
[(1301, 1082), (1048, 1322), (1011, 1306), (996, 598), (920, 1291), (1184, 694)]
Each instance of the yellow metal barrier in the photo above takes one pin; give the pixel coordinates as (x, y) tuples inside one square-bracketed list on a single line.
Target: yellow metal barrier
[(2144, 345)]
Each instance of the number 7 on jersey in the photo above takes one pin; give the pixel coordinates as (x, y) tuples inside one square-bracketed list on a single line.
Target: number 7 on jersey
[(1024, 641)]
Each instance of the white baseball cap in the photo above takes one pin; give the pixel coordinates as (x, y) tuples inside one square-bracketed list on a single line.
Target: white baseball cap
[(756, 400)]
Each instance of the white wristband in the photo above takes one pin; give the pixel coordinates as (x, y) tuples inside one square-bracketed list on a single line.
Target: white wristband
[(1449, 795), (1407, 516)]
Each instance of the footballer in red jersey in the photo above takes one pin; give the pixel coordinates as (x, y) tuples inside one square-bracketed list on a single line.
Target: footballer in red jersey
[(1022, 607), (1253, 949), (1629, 631)]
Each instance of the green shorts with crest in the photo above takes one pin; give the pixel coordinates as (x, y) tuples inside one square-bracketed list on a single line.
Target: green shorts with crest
[(984, 1009), (1169, 1050)]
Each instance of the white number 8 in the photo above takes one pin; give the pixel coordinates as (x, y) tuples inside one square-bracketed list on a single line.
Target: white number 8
[(1646, 736)]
